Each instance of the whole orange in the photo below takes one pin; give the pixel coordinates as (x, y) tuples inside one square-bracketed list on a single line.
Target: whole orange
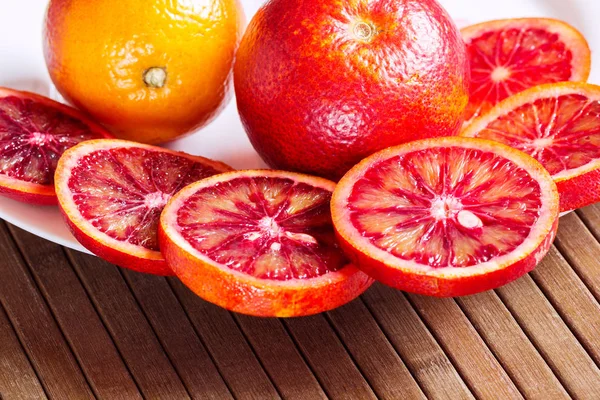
[(322, 84), (149, 70)]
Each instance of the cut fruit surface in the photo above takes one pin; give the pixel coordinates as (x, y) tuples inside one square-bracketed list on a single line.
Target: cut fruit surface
[(446, 217), (259, 243), (509, 56), (34, 132), (113, 191), (559, 125)]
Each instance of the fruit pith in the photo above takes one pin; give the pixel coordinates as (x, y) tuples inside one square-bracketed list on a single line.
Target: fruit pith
[(320, 85), (446, 217), (150, 70)]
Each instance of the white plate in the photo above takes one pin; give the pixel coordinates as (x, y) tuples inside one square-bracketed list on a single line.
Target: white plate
[(22, 67)]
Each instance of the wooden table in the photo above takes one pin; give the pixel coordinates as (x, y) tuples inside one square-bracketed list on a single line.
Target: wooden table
[(75, 327)]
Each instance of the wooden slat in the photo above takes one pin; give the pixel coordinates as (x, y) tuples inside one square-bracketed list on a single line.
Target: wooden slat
[(468, 352), (128, 327), (377, 359), (280, 358), (91, 344), (581, 249), (572, 299), (512, 348), (229, 349), (412, 340), (36, 328), (177, 336), (17, 377), (556, 343), (328, 359)]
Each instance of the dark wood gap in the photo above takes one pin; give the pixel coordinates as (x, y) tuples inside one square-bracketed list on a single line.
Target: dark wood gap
[(319, 380), (391, 344), (573, 331), (95, 307), (559, 246), (489, 348), (581, 339), (137, 302), (35, 372), (259, 332), (564, 252), (337, 334), (210, 355), (36, 284), (247, 346), (442, 346), (408, 365), (502, 364), (304, 329), (58, 255), (237, 323), (522, 324), (104, 318), (541, 353)]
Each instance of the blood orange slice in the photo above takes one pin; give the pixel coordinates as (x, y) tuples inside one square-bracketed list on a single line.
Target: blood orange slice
[(112, 192), (559, 125), (446, 217), (34, 132), (509, 56), (259, 243)]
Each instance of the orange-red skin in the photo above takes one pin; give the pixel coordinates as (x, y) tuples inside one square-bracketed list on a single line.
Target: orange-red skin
[(44, 195), (224, 290), (579, 191), (313, 98), (124, 260), (446, 287)]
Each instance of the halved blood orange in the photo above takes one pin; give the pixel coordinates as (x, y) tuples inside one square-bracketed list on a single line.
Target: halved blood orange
[(259, 243), (509, 56), (34, 132), (112, 192), (559, 125), (446, 217)]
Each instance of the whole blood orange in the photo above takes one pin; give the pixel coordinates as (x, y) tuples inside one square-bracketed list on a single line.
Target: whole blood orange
[(259, 243), (559, 125), (447, 216), (322, 84), (511, 55), (150, 70), (34, 133), (111, 193)]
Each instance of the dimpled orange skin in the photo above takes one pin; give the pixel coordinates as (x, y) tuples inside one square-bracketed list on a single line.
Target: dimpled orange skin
[(97, 53), (322, 84)]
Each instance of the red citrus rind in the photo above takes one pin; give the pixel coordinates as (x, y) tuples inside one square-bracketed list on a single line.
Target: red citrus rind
[(411, 276), (31, 192), (242, 292), (123, 254), (578, 187)]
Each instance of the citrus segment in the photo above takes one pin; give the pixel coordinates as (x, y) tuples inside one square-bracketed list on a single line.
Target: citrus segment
[(446, 217), (259, 243), (34, 132), (559, 125), (509, 56), (112, 193)]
